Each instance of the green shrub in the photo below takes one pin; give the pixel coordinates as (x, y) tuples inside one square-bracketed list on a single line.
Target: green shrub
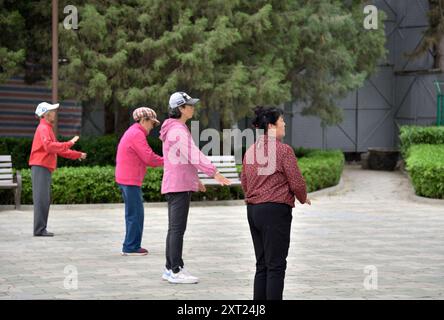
[(301, 152), (425, 165), (152, 184), (18, 148), (74, 185), (101, 150), (321, 169), (411, 135)]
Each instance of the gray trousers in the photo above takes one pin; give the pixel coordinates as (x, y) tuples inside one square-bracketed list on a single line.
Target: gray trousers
[(178, 207), (41, 196)]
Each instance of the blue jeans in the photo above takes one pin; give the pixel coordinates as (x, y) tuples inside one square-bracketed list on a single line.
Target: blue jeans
[(134, 216)]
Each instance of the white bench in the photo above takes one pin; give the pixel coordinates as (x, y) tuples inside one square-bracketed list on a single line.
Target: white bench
[(226, 165), (10, 181)]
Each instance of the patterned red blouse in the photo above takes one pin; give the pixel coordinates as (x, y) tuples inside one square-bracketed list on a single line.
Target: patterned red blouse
[(270, 173)]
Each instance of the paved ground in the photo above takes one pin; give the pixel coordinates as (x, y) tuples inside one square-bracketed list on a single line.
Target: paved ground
[(370, 224)]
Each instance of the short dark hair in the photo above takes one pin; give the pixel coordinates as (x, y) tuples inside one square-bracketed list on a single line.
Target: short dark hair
[(175, 113), (265, 116)]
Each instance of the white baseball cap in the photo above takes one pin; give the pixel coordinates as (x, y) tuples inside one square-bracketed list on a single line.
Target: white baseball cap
[(178, 99), (44, 107)]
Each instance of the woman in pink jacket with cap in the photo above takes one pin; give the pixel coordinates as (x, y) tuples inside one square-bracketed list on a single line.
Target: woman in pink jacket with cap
[(133, 156), (183, 159)]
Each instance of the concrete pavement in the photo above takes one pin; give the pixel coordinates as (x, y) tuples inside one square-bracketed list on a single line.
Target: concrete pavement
[(367, 239)]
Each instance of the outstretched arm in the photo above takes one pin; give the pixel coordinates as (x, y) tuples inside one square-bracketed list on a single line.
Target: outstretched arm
[(52, 146), (145, 153), (294, 176)]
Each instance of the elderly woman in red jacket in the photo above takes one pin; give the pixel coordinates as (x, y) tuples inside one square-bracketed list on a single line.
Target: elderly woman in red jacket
[(43, 161), (133, 156), (271, 181)]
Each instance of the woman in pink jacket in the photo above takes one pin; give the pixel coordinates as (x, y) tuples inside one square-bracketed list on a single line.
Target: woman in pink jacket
[(183, 159), (133, 156)]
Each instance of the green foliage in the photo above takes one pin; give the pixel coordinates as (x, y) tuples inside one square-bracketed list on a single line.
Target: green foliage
[(71, 185), (26, 37), (12, 44), (101, 150), (232, 54), (425, 165), (152, 185), (321, 169), (18, 148), (410, 135), (85, 185), (433, 38)]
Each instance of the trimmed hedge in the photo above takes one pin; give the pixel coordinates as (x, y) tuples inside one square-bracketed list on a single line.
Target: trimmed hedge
[(321, 169), (86, 185), (97, 185), (425, 165), (71, 185), (411, 135), (101, 150)]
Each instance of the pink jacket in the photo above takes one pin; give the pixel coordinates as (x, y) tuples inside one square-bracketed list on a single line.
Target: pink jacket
[(133, 156), (182, 159)]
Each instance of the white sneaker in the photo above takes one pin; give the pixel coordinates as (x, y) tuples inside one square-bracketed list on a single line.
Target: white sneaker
[(182, 277), (185, 271), (166, 274)]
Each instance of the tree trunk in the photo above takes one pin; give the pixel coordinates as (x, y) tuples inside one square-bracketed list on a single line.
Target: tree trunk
[(440, 55), (123, 120), (110, 119)]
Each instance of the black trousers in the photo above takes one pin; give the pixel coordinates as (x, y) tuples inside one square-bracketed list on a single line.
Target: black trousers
[(270, 225), (178, 207)]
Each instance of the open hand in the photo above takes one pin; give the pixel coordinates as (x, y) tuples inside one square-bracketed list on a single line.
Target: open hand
[(222, 180), (202, 187), (75, 139), (83, 156)]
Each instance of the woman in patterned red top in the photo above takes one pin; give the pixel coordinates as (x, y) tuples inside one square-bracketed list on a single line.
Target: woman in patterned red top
[(271, 181)]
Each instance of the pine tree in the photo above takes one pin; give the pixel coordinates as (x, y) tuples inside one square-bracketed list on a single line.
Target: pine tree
[(233, 54), (433, 40), (12, 52)]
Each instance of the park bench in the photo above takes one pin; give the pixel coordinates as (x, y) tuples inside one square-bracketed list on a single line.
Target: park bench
[(226, 165), (9, 180)]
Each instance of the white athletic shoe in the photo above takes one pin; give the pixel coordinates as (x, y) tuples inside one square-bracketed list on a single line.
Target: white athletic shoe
[(166, 274), (185, 271), (182, 276)]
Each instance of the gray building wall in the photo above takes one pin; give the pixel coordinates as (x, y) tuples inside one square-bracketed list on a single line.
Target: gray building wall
[(401, 92)]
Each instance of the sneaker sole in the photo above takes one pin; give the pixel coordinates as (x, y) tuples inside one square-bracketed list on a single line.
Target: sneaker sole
[(133, 254), (182, 281)]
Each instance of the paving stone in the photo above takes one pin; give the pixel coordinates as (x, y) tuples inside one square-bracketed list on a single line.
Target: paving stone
[(370, 221)]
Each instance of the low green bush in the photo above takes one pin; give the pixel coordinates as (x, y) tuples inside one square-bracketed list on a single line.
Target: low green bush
[(74, 185), (71, 185), (101, 150), (411, 135), (425, 166), (321, 169)]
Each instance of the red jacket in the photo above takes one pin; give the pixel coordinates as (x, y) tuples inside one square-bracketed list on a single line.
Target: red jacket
[(282, 184), (45, 148), (134, 154)]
